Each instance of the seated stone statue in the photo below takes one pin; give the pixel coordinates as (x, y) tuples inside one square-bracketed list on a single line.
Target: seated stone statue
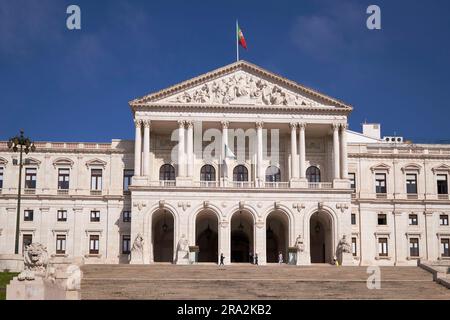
[(344, 246), (183, 249), (299, 244), (35, 261)]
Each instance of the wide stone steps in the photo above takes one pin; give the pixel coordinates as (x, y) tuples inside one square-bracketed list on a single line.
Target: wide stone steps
[(251, 282)]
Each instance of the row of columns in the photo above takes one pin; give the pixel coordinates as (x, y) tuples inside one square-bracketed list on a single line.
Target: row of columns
[(186, 149)]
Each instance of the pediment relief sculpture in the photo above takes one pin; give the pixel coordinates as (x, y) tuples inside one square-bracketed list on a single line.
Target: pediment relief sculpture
[(241, 88)]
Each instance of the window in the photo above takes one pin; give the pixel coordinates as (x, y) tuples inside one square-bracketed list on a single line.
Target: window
[(443, 218), (383, 247), (126, 216), (28, 215), (273, 174), (1, 177), (126, 242), (96, 179), (354, 248), (445, 252), (382, 220), (30, 178), (313, 174), (413, 247), (61, 215), (95, 216), (413, 220), (411, 183), (60, 244), (27, 239), (127, 176), (240, 173), (442, 184), (353, 218), (63, 179), (207, 173), (167, 172), (380, 183), (352, 177), (94, 241)]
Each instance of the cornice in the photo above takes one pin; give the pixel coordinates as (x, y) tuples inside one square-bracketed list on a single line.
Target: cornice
[(167, 106)]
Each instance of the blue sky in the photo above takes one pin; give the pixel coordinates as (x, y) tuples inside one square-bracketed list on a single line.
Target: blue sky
[(62, 85)]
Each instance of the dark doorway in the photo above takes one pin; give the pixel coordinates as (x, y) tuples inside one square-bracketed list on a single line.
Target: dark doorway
[(242, 237), (206, 237), (162, 236)]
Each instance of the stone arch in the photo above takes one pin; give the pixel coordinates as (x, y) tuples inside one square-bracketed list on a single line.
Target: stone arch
[(242, 234), (193, 217), (333, 230), (149, 228), (278, 231), (291, 219)]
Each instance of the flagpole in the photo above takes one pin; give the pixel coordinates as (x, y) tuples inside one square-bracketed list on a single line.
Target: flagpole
[(237, 41)]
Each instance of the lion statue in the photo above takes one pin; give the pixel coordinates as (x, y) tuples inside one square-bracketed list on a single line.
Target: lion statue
[(35, 261)]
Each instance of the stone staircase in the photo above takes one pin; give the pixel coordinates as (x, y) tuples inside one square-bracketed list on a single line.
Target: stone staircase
[(254, 282)]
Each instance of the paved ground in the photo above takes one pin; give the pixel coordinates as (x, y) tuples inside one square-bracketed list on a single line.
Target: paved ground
[(254, 283)]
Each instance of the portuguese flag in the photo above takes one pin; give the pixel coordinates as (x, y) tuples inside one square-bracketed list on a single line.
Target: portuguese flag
[(240, 36)]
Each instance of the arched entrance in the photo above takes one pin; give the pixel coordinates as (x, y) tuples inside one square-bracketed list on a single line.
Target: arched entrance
[(321, 238), (162, 236), (206, 236), (242, 242), (277, 236)]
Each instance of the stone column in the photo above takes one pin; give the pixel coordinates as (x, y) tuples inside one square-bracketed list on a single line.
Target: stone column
[(181, 157), (224, 144), (302, 151), (399, 238), (343, 152), (294, 164), (146, 154), (190, 149), (259, 128), (336, 151), (137, 148)]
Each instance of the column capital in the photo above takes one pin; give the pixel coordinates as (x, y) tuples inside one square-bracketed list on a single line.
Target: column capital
[(293, 125), (344, 126), (259, 124), (138, 123), (189, 123), (225, 124), (302, 125), (147, 123), (181, 123), (335, 126)]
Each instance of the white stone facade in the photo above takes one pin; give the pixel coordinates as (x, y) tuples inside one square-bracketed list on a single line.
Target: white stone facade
[(263, 214)]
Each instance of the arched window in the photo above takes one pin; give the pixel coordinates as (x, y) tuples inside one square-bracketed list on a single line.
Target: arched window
[(313, 174), (273, 174), (167, 172), (207, 173), (240, 173)]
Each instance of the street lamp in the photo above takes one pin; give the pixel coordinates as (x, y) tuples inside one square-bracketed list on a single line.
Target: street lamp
[(20, 143)]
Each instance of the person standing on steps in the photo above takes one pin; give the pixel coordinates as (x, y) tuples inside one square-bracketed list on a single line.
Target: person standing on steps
[(256, 259), (280, 258), (222, 258)]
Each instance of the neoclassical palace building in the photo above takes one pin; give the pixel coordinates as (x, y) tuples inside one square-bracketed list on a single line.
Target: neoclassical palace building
[(238, 161)]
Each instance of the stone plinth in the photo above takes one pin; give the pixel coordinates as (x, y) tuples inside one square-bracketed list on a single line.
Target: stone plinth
[(347, 259), (303, 259), (11, 262), (38, 289)]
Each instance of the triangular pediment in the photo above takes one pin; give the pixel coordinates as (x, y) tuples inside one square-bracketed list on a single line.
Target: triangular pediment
[(240, 84)]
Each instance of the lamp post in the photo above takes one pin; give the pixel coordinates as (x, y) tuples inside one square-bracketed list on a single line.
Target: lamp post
[(21, 144)]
